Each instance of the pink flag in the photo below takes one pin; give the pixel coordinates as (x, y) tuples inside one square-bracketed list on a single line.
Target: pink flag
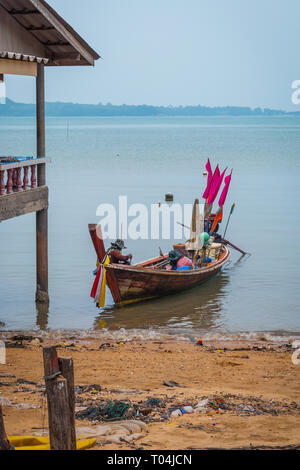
[(213, 183), (209, 179), (215, 188), (225, 190)]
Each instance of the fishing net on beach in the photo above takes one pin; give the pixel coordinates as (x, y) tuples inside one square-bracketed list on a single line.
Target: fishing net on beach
[(111, 411)]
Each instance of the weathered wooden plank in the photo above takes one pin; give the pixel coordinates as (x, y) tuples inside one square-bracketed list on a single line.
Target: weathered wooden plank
[(17, 204), (18, 67), (113, 286)]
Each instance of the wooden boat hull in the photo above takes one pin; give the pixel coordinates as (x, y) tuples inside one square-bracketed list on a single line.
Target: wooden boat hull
[(130, 284)]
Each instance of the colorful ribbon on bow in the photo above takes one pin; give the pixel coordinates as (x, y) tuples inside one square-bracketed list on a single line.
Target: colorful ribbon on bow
[(99, 287)]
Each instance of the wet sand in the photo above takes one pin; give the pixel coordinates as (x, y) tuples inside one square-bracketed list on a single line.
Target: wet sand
[(252, 389)]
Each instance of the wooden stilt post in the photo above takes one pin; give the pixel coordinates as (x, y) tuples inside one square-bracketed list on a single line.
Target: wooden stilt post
[(4, 444), (59, 397), (41, 216)]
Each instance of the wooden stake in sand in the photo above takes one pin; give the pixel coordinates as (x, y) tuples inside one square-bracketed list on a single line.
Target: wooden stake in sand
[(61, 401), (67, 370), (4, 443)]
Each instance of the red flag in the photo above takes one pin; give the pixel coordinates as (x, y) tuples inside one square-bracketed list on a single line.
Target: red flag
[(214, 181), (223, 197), (216, 187), (209, 179), (96, 282)]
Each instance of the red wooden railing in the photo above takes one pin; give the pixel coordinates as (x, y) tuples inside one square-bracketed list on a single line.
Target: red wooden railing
[(19, 177)]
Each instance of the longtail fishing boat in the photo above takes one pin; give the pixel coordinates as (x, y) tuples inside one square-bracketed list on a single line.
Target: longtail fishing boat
[(189, 265), (149, 280)]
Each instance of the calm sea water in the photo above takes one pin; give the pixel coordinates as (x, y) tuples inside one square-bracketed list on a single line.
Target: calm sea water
[(94, 160)]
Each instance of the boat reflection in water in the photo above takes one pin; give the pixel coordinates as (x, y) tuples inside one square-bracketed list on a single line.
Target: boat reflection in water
[(194, 310)]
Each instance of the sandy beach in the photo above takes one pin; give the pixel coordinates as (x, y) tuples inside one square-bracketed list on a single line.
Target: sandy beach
[(248, 392)]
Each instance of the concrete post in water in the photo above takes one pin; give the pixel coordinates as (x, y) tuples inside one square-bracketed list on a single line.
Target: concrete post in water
[(41, 216)]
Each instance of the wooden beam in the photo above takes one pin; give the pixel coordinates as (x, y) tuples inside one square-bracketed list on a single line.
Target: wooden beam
[(15, 205), (40, 28), (56, 43), (66, 55), (68, 62), (18, 67), (63, 31), (25, 11)]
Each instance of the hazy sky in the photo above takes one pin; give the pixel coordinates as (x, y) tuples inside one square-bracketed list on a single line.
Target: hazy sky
[(161, 52)]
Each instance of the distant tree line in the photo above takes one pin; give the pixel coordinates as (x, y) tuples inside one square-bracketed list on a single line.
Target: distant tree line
[(12, 108)]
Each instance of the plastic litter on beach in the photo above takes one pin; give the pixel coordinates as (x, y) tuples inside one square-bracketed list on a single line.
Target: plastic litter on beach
[(187, 409), (4, 401), (155, 402), (247, 409), (171, 384), (176, 414), (26, 382), (25, 406), (94, 389), (106, 346), (202, 404)]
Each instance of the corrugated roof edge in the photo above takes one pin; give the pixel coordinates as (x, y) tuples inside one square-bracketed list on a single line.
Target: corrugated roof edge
[(24, 57)]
